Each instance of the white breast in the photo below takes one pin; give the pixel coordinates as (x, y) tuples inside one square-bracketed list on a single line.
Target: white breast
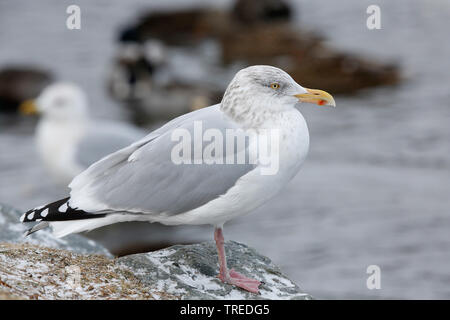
[(56, 143)]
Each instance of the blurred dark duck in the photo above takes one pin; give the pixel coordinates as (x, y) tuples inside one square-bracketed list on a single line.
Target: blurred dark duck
[(258, 32), (20, 83)]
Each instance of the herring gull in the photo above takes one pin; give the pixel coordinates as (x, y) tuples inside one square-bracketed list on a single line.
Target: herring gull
[(147, 181), (67, 139)]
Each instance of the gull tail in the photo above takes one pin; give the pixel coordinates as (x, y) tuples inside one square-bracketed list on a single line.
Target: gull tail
[(37, 227)]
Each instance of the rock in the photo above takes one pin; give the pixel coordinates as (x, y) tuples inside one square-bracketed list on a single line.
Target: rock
[(7, 296), (11, 230), (190, 272), (32, 272), (179, 272)]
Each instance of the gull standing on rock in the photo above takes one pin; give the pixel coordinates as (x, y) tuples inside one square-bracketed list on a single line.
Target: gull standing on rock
[(144, 181), (67, 139)]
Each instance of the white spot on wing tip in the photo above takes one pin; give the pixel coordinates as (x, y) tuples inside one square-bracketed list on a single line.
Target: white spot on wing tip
[(31, 215), (44, 213), (63, 207), (22, 217)]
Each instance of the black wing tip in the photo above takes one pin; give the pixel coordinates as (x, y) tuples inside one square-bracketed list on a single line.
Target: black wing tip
[(56, 211), (26, 216), (43, 212)]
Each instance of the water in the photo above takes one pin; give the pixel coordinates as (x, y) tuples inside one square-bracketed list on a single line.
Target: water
[(375, 187)]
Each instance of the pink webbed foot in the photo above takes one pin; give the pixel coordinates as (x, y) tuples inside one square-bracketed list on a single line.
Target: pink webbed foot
[(232, 277), (241, 281)]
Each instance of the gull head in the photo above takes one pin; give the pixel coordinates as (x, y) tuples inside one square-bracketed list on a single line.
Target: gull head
[(59, 101), (262, 89)]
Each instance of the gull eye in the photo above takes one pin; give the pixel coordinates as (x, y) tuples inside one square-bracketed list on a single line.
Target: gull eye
[(275, 86)]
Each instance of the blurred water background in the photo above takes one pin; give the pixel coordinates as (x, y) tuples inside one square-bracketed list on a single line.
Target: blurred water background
[(375, 188)]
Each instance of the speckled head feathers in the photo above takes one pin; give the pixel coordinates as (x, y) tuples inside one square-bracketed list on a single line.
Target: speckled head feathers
[(258, 90)]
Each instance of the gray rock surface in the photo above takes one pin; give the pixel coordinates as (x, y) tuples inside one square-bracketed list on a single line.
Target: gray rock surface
[(190, 272), (11, 230), (177, 272)]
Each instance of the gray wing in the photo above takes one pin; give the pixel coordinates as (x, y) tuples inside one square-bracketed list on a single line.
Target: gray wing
[(143, 177), (102, 139)]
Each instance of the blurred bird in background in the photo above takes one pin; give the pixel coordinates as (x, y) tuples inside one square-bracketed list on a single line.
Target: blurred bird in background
[(67, 139), (19, 83)]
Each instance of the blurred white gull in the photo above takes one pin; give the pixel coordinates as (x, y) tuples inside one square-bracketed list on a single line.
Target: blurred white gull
[(143, 182), (68, 140)]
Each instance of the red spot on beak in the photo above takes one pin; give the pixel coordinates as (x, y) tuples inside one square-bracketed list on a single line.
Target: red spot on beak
[(321, 102)]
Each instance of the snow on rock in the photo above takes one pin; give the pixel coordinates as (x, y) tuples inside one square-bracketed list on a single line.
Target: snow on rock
[(43, 267), (190, 272), (28, 271)]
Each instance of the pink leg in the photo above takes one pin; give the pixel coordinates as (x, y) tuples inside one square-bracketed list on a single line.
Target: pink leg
[(232, 277)]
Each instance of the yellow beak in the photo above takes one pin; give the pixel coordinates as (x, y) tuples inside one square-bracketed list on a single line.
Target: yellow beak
[(28, 107), (318, 97)]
